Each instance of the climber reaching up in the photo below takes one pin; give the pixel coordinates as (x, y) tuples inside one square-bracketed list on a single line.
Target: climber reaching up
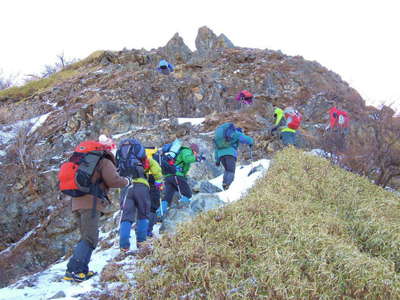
[(164, 67), (288, 121), (226, 140), (175, 163)]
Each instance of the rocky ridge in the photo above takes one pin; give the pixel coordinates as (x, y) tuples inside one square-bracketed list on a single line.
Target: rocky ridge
[(121, 94)]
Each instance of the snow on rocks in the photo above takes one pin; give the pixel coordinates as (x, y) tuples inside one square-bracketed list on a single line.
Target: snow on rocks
[(50, 284)]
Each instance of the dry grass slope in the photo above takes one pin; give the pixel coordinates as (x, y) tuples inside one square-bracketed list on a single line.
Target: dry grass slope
[(308, 230), (18, 93)]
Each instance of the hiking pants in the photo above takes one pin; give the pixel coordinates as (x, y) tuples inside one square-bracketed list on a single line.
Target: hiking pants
[(229, 163), (288, 138), (136, 201), (176, 184), (155, 196), (89, 231)]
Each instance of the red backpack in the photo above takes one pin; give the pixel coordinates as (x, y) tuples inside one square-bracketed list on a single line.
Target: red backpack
[(75, 175), (245, 96), (293, 119)]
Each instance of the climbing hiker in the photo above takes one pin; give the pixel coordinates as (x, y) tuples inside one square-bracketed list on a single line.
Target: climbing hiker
[(226, 140), (288, 121), (338, 119), (245, 97), (133, 162), (165, 67), (156, 185), (337, 130), (175, 164), (92, 161), (108, 143)]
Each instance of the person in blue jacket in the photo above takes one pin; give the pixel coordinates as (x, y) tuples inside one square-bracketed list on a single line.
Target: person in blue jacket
[(226, 140), (165, 67)]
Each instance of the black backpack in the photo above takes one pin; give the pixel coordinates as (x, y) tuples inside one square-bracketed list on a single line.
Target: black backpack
[(129, 158)]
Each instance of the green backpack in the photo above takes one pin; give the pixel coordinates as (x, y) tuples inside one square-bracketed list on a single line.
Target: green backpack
[(223, 135)]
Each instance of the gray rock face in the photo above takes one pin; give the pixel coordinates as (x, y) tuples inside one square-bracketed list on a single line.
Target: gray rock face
[(185, 212), (206, 41), (205, 187), (58, 295), (176, 50)]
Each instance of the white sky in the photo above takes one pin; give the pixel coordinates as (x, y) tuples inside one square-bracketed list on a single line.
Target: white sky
[(357, 39)]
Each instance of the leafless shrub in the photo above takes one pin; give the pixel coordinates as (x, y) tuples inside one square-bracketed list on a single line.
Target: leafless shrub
[(6, 81), (59, 65), (22, 150), (374, 149), (333, 142)]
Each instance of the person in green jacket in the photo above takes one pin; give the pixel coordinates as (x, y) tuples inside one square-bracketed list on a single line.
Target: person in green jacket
[(287, 135), (226, 140), (178, 182)]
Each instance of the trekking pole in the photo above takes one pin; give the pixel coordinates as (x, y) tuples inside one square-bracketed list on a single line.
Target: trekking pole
[(251, 159), (123, 205), (177, 185)]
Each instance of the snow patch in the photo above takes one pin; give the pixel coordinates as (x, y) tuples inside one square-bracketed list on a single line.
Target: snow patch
[(39, 121), (193, 121), (242, 183), (9, 132)]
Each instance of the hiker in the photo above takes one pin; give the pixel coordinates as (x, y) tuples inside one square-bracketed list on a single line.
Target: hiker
[(156, 186), (165, 67), (133, 162), (108, 143), (338, 129), (338, 119), (175, 166), (87, 207), (244, 97), (288, 121), (226, 140)]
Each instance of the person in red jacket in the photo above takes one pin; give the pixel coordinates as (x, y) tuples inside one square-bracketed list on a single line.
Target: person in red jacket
[(338, 119), (338, 128)]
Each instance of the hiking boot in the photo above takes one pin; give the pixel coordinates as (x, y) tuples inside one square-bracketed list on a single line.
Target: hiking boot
[(225, 186), (78, 277)]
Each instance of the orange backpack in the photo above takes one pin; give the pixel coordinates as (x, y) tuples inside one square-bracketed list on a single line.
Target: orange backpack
[(75, 175)]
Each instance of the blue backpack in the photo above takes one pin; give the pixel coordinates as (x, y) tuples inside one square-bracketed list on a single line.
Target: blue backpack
[(129, 157), (223, 135), (168, 157)]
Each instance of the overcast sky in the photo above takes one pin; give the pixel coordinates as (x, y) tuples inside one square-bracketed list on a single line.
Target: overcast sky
[(358, 39)]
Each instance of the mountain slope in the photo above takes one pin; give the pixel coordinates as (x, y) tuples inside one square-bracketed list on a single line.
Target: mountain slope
[(306, 230), (121, 94)]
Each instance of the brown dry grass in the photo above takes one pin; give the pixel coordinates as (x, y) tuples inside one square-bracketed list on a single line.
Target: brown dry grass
[(308, 230)]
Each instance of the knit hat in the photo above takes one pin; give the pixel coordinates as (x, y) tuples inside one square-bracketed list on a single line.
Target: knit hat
[(195, 148), (107, 142)]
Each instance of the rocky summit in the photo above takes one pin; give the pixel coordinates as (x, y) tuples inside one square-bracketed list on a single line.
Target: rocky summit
[(121, 94)]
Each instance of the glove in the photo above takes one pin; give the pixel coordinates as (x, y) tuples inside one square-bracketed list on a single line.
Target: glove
[(159, 185), (129, 181), (200, 158), (184, 199), (218, 163), (273, 130), (251, 146)]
